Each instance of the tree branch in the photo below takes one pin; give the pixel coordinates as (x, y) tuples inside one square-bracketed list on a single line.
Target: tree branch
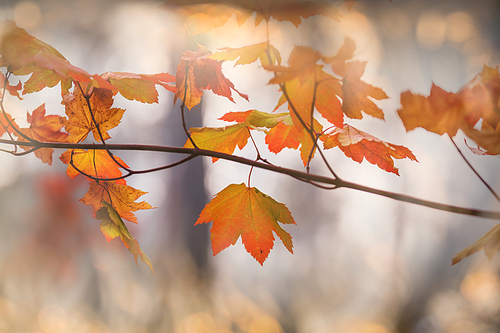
[(300, 175)]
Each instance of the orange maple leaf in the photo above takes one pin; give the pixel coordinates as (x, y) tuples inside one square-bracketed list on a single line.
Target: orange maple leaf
[(284, 135), (220, 139), (204, 15), (445, 112), (249, 54), (441, 112), (96, 163), (244, 211), (44, 129), (113, 226), (6, 124), (80, 123), (195, 73), (358, 145), (139, 87), (121, 197), (338, 61), (355, 93)]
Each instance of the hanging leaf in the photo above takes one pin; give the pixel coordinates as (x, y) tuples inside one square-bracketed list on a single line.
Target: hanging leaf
[(244, 211)]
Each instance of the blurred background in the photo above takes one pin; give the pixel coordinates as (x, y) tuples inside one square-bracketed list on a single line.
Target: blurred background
[(362, 263)]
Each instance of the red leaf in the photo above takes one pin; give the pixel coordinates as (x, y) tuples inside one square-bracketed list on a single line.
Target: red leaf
[(195, 73), (358, 145)]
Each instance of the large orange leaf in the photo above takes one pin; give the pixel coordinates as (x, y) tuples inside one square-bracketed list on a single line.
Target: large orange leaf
[(44, 129), (121, 197), (96, 163), (79, 122), (244, 211), (220, 139), (356, 94), (490, 242), (358, 145), (113, 226), (249, 54), (204, 15), (195, 73)]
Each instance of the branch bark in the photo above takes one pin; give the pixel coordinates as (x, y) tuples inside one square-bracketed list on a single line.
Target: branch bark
[(300, 175)]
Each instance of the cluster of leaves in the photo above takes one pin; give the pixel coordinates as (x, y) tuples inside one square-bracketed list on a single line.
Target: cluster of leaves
[(319, 91)]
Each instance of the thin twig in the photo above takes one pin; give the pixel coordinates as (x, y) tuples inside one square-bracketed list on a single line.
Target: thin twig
[(474, 170)]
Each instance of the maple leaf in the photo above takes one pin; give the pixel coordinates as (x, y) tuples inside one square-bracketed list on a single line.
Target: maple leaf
[(445, 112), (25, 54), (355, 93), (6, 124), (285, 135), (40, 78), (282, 136), (13, 90), (255, 118), (113, 226), (121, 197), (490, 242), (139, 87), (80, 123), (195, 73), (307, 84), (282, 133), (358, 145), (221, 139), (488, 138), (265, 52), (338, 61), (96, 163), (244, 211), (44, 129), (441, 112), (205, 15)]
